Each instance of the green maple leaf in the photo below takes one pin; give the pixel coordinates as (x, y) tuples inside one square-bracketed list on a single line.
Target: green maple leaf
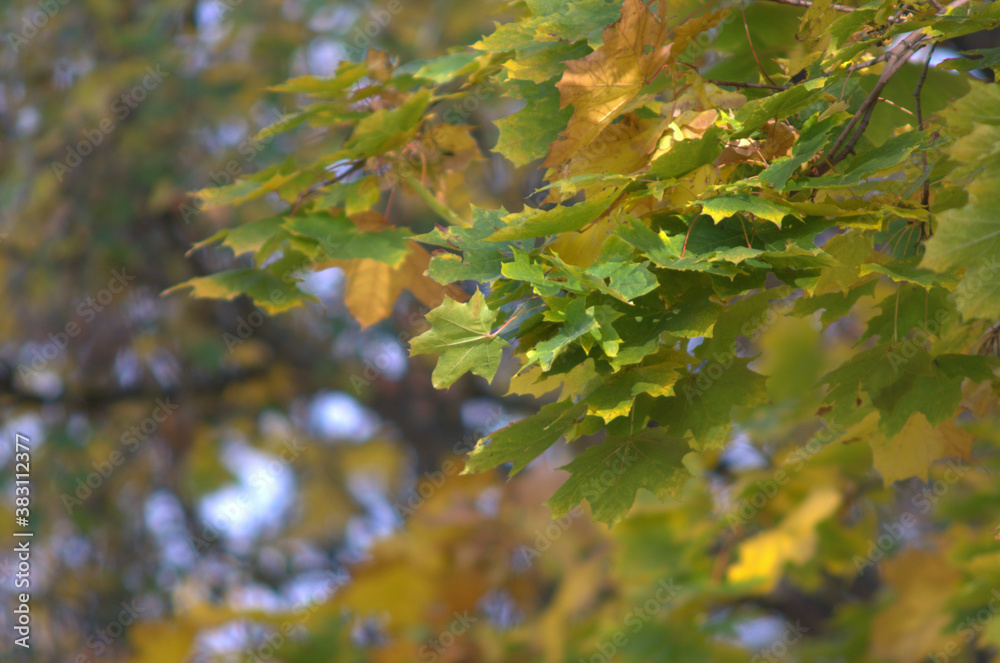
[(270, 292), (704, 402), (614, 398), (387, 129), (722, 207), (609, 476), (523, 269), (758, 112), (815, 135), (246, 237), (526, 134), (462, 335), (578, 320), (539, 223), (342, 240), (969, 237), (480, 260), (523, 441), (687, 155)]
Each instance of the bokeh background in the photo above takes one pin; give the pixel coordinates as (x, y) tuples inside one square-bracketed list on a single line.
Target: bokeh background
[(254, 466), (204, 476)]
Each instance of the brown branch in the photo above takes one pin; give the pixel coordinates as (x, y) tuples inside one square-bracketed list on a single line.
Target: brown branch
[(95, 398), (895, 59), (852, 133)]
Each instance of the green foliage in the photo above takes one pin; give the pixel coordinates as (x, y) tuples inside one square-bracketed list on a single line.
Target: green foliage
[(715, 194), (463, 337), (720, 246)]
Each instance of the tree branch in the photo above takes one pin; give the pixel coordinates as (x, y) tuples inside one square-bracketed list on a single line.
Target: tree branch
[(94, 398), (895, 59)]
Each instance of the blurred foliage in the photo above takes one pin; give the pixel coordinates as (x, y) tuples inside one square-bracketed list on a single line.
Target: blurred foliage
[(260, 474)]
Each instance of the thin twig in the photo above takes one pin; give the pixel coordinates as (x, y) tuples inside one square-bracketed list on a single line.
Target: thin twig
[(327, 182), (704, 6), (897, 106), (852, 133), (925, 199), (746, 26), (686, 237), (762, 86), (895, 58)]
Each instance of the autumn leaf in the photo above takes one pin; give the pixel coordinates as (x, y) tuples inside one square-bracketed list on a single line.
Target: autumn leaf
[(373, 286), (762, 557), (911, 451), (463, 337), (601, 86)]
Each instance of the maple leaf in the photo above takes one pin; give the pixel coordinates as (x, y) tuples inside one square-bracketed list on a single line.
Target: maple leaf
[(462, 334), (272, 293), (762, 558), (601, 86), (608, 476), (339, 237), (614, 398), (969, 237), (374, 286), (910, 452), (913, 625), (522, 441)]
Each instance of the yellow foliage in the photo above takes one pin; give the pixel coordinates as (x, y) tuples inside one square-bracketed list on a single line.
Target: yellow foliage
[(762, 558)]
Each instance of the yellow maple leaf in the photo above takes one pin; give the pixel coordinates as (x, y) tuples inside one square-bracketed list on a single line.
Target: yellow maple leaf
[(601, 85), (373, 287), (623, 147), (911, 451), (763, 556), (911, 627)]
